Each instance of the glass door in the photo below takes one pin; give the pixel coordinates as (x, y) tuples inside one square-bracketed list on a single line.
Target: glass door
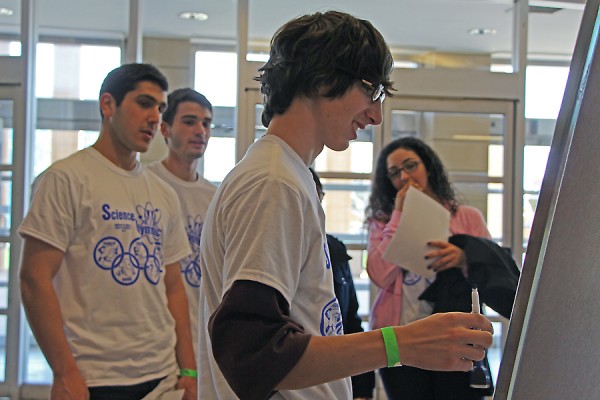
[(11, 170), (475, 140)]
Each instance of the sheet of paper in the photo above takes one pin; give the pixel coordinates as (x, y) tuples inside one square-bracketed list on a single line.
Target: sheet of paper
[(423, 220), (172, 395)]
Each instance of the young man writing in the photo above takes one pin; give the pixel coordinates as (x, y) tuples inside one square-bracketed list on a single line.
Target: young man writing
[(271, 322)]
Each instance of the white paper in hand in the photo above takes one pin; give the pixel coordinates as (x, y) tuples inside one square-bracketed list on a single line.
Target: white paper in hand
[(423, 220)]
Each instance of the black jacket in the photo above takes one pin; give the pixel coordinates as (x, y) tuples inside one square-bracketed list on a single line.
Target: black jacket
[(491, 269), (343, 285)]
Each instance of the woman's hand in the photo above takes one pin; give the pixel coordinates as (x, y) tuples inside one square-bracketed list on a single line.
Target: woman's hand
[(401, 194), (446, 256)]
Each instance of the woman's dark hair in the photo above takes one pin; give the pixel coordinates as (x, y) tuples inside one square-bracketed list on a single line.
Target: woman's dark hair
[(323, 50), (383, 194)]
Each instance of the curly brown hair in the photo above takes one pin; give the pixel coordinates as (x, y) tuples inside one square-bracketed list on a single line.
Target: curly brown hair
[(383, 194)]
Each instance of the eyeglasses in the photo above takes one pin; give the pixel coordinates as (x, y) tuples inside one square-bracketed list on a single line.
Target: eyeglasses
[(408, 167), (378, 91)]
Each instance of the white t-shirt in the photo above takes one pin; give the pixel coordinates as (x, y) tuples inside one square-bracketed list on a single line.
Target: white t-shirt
[(266, 224), (414, 309), (194, 198), (118, 230)]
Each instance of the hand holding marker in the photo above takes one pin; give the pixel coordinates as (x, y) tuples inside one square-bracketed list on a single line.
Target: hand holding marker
[(480, 378)]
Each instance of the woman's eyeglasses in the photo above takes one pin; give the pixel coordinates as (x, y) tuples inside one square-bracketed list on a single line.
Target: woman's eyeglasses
[(408, 167)]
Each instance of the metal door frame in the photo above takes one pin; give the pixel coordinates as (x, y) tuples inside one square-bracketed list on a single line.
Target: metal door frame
[(14, 319)]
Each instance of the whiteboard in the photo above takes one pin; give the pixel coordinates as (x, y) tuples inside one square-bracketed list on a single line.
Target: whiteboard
[(552, 348)]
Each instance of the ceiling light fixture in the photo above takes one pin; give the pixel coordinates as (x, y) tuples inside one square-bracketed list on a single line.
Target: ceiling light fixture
[(481, 31), (196, 16), (6, 11)]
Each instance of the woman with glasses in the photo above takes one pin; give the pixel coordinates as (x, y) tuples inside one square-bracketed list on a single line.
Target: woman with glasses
[(403, 163)]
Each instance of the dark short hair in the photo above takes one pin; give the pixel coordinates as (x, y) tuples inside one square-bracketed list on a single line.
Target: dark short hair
[(180, 96), (125, 78), (323, 50), (383, 193)]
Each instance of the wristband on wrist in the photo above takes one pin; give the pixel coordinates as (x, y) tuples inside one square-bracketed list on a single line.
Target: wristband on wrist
[(391, 346), (188, 372)]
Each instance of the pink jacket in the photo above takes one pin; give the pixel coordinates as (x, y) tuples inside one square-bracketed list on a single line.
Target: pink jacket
[(388, 277)]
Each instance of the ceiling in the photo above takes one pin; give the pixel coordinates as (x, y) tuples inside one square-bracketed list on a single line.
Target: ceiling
[(407, 25)]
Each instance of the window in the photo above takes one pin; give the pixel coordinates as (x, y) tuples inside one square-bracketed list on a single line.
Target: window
[(216, 78), (10, 48), (68, 77), (477, 178), (544, 89)]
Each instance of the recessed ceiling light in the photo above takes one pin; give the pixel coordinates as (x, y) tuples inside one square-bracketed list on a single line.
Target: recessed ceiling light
[(196, 16), (481, 31), (6, 11)]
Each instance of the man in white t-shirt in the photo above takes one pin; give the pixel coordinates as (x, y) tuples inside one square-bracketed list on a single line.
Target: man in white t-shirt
[(270, 325), (100, 276), (186, 127)]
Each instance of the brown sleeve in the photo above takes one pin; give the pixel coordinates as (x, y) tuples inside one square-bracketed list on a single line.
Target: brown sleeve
[(254, 340)]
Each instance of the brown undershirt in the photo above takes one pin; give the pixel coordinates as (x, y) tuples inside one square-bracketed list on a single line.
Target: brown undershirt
[(254, 340)]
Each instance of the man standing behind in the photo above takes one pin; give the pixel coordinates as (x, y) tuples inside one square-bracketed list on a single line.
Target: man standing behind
[(103, 238), (186, 128)]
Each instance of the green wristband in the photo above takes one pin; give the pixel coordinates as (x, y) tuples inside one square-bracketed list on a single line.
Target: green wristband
[(391, 347), (188, 372)]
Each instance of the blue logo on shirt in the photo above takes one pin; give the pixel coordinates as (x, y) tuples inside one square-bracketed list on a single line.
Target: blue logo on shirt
[(190, 266), (144, 253), (327, 259), (331, 319), (410, 278), (147, 222)]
